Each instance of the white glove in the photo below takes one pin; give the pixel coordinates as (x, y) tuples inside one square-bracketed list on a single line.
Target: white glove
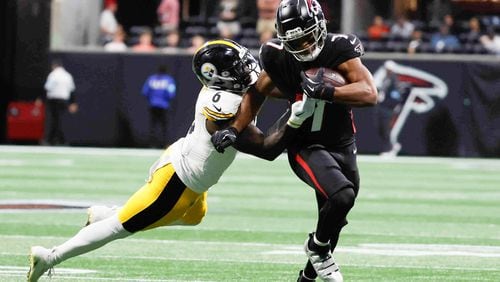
[(301, 110)]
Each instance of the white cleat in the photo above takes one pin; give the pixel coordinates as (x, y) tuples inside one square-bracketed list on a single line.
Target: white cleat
[(98, 213), (392, 153), (324, 265), (39, 263)]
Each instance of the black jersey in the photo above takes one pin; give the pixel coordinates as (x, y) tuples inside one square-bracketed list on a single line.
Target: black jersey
[(332, 123)]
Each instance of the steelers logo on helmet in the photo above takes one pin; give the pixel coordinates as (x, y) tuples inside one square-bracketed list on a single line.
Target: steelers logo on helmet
[(223, 64), (208, 71)]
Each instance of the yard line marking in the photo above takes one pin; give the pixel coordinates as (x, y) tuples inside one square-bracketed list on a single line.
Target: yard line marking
[(44, 163), (431, 160), (8, 269), (204, 228), (157, 152), (75, 278), (81, 151), (12, 162), (404, 250), (273, 261), (410, 250), (158, 241), (62, 272), (44, 205)]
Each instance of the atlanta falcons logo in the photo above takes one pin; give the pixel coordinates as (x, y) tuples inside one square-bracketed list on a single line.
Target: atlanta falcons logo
[(410, 90)]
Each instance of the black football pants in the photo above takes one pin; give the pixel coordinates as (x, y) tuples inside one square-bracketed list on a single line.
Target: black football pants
[(335, 178)]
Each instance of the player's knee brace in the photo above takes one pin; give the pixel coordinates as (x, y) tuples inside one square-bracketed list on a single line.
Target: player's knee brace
[(332, 216), (343, 200)]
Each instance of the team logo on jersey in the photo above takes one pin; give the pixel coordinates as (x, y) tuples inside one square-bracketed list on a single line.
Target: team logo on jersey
[(359, 49), (208, 70), (403, 90)]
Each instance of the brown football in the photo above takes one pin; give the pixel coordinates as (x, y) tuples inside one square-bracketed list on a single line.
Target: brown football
[(330, 76)]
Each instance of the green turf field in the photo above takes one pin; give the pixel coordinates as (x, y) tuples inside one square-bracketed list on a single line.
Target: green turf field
[(416, 219)]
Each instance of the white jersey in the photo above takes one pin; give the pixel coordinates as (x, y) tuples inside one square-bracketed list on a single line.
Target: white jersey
[(59, 84), (194, 158)]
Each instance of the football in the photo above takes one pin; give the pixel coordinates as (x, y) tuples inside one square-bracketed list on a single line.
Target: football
[(330, 76)]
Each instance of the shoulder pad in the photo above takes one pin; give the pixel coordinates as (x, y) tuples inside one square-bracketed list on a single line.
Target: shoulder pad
[(348, 42), (270, 52), (220, 105)]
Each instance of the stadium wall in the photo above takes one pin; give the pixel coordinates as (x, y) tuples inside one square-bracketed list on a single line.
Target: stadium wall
[(464, 121)]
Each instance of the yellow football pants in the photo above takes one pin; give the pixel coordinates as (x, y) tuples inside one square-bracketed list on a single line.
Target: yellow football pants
[(164, 200)]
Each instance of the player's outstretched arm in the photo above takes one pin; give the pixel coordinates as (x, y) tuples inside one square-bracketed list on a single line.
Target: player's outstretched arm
[(253, 141), (249, 107)]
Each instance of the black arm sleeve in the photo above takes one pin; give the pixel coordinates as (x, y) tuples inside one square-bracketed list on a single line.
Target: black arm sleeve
[(252, 141)]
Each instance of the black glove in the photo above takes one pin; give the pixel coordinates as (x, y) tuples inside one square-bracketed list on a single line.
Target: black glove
[(315, 87), (224, 138)]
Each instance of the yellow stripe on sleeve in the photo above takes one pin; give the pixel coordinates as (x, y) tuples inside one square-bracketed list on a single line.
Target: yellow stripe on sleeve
[(213, 115)]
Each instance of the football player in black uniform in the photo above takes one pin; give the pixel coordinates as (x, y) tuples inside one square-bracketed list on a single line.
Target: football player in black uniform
[(324, 154)]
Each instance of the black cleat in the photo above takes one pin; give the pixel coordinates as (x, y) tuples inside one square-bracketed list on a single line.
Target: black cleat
[(302, 278)]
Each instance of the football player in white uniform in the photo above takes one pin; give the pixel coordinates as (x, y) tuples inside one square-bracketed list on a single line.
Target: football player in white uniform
[(176, 191)]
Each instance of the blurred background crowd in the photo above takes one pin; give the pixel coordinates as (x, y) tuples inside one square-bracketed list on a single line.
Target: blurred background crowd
[(112, 46), (413, 26)]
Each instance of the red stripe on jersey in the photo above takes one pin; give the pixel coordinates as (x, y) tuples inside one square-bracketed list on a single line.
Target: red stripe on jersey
[(298, 96), (309, 172), (309, 4), (352, 122)]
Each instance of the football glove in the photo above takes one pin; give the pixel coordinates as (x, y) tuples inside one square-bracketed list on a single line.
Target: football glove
[(315, 87), (301, 110), (221, 139)]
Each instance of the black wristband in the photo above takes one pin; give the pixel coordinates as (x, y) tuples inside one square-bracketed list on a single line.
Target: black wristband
[(234, 130), (328, 93)]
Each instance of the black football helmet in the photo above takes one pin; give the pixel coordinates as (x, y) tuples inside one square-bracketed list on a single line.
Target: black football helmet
[(225, 65), (301, 28)]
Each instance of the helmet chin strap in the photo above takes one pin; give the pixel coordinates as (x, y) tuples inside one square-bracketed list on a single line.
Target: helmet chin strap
[(311, 56)]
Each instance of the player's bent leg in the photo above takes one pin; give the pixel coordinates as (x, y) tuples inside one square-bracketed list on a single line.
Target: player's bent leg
[(98, 212), (89, 238), (195, 214), (304, 278), (183, 212), (332, 216), (39, 258), (160, 202), (321, 259), (153, 200), (309, 272)]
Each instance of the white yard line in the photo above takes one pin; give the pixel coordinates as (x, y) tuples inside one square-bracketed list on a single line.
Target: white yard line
[(385, 249), (44, 163), (274, 261), (47, 202), (67, 273), (17, 269), (459, 162), (81, 151)]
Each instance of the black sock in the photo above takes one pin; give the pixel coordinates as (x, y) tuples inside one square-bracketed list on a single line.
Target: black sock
[(309, 271), (305, 278), (316, 248)]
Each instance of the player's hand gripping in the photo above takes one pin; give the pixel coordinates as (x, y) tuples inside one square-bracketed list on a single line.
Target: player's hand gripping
[(301, 110), (315, 87), (221, 139)]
